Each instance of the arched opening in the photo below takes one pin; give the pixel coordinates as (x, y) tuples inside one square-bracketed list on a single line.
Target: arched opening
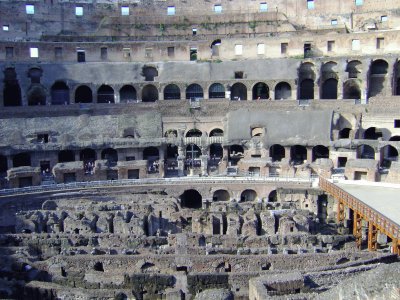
[(36, 95), (105, 94), (149, 73), (87, 155), (66, 156), (216, 91), (216, 153), (351, 89), (276, 152), (110, 154), (320, 152), (344, 133), (283, 91), (21, 160), (238, 92), (273, 196), (149, 93), (221, 195), (12, 90), (172, 151), (395, 138), (260, 91), (216, 132), (191, 199), (236, 153), (377, 76), (3, 164), (98, 266), (365, 152), (353, 68), (194, 133), (215, 47), (35, 74), (194, 91), (298, 154), (151, 153), (388, 154), (306, 89), (372, 133), (248, 196), (171, 133), (83, 94), (329, 89), (59, 93), (127, 94), (192, 151), (172, 92)]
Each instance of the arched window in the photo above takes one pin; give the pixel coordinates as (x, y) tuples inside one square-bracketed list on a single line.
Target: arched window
[(105, 94), (172, 92), (320, 152), (151, 153), (59, 93), (12, 90), (216, 132), (307, 89), (238, 91), (216, 91), (365, 152), (110, 154), (194, 133), (329, 89), (388, 154), (83, 94), (248, 196), (149, 73), (378, 71), (298, 154), (260, 91), (149, 93), (351, 89), (372, 133), (194, 91), (277, 152), (127, 94), (191, 199), (66, 156), (283, 91), (221, 195), (36, 95)]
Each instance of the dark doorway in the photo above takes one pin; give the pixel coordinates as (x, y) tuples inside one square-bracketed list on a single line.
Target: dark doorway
[(21, 160), (149, 73), (83, 94), (12, 90), (66, 156), (194, 91), (277, 152), (260, 91), (221, 195), (172, 92), (298, 154), (320, 152), (127, 94), (283, 91), (238, 92), (248, 196), (149, 93), (105, 94), (191, 199), (306, 89), (329, 89), (59, 93)]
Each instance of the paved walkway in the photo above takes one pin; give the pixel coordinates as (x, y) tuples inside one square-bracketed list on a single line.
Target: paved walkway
[(384, 198)]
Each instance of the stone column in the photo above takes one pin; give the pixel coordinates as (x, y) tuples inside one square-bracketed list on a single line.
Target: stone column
[(287, 153), (309, 155), (204, 161), (249, 95), (181, 161)]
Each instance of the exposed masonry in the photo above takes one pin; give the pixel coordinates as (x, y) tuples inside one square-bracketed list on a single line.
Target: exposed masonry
[(198, 129)]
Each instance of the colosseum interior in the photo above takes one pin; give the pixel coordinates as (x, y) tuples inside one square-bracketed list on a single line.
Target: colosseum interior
[(165, 149)]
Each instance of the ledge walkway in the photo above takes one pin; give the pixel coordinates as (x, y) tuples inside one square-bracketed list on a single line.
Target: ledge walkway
[(375, 203)]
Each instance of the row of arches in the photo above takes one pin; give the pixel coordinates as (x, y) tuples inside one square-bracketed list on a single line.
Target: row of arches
[(377, 76), (60, 93), (193, 199)]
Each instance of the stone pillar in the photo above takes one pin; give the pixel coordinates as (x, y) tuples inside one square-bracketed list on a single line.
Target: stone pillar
[(249, 95), (9, 162), (340, 89), (77, 156), (181, 161), (204, 161), (364, 79), (160, 96), (271, 94), (309, 154), (205, 94), (287, 153), (183, 94)]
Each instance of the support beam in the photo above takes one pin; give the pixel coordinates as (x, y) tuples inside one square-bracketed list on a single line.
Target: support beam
[(357, 229), (340, 212), (372, 237)]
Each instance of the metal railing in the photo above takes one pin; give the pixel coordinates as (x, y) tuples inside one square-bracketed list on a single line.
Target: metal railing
[(238, 178)]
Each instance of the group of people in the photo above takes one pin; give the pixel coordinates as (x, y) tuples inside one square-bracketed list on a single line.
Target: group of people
[(88, 167), (153, 166)]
